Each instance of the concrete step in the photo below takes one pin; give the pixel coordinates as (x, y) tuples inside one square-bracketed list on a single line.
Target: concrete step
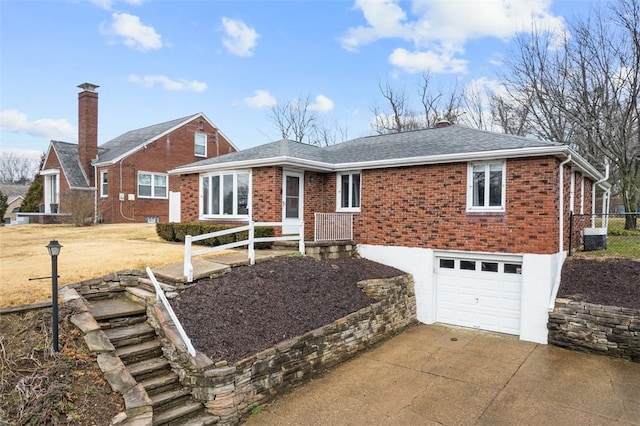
[(143, 369), (170, 398), (130, 335), (176, 414), (139, 352), (161, 383), (105, 309)]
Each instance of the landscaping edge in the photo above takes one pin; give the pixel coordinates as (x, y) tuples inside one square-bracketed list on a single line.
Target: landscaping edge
[(599, 329), (231, 391)]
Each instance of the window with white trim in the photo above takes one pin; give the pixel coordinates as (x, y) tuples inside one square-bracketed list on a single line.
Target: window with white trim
[(200, 144), (486, 183), (104, 183), (225, 195), (348, 188), (152, 185)]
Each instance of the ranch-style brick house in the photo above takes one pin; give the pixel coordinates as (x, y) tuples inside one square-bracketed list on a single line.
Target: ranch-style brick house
[(480, 219), (126, 176)]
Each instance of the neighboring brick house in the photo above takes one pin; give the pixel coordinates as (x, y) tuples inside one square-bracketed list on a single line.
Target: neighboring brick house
[(480, 219), (126, 177)]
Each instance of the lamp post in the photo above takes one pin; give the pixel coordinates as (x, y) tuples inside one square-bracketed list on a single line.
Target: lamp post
[(54, 250)]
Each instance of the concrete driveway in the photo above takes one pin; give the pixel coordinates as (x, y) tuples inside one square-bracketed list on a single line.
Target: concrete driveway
[(434, 374)]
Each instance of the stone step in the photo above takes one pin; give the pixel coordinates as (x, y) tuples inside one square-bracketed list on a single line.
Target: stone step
[(143, 369), (130, 335), (176, 414), (158, 384), (139, 352), (203, 419), (122, 322), (115, 308), (170, 398)]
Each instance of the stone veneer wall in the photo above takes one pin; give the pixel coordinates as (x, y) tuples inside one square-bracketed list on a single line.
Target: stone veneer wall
[(231, 391), (607, 330)]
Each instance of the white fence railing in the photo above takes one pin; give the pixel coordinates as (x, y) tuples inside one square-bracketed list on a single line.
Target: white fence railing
[(250, 243), (160, 295), (333, 226)]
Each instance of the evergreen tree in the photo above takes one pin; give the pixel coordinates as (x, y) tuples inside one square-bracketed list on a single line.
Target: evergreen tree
[(3, 204), (35, 195)]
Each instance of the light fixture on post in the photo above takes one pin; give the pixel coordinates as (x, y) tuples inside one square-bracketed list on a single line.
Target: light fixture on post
[(54, 250)]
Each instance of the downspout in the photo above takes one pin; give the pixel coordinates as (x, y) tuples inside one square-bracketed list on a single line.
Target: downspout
[(606, 195), (561, 197), (95, 194)]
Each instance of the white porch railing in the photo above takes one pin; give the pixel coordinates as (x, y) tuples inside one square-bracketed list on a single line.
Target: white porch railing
[(333, 226), (160, 295), (250, 243)]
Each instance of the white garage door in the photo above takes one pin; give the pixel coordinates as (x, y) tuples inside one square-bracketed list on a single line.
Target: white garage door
[(479, 293)]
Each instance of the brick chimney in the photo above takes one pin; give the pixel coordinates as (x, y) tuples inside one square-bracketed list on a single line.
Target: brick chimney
[(88, 128)]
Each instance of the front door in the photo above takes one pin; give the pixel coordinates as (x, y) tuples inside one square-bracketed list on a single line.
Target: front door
[(292, 201)]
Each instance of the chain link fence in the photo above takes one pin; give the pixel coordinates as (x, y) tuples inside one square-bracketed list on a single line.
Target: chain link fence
[(616, 235)]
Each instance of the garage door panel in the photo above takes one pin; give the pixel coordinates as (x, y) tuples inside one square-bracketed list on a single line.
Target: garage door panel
[(488, 299)]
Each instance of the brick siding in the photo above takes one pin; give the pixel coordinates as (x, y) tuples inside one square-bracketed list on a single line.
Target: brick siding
[(425, 206)]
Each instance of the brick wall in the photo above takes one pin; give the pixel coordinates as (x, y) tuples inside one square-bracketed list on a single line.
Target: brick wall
[(425, 206), (168, 152)]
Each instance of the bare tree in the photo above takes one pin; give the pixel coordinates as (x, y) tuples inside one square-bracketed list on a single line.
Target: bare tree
[(400, 118), (605, 94), (512, 118), (437, 104), (294, 118), (325, 134), (584, 91), (17, 167), (477, 108)]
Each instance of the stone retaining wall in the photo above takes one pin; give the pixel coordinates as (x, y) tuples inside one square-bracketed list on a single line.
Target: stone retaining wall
[(231, 391), (606, 330), (109, 284)]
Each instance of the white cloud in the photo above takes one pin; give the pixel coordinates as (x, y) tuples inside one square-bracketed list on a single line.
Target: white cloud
[(438, 29), (108, 4), (14, 121), (322, 104), (261, 99), (168, 84), (134, 33), (240, 39), (427, 60)]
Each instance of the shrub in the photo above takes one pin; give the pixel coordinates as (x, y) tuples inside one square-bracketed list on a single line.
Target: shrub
[(176, 232)]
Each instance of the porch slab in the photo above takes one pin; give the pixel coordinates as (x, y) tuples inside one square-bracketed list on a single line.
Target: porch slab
[(202, 268), (216, 264)]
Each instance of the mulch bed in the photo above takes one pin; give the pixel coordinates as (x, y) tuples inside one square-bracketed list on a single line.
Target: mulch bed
[(252, 308), (613, 282)]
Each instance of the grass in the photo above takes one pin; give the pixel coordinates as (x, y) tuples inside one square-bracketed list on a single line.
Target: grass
[(620, 242), (87, 252)]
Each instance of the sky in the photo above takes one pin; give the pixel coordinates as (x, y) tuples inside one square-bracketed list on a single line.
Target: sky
[(156, 61)]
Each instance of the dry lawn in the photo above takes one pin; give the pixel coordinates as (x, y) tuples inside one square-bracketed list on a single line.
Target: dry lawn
[(87, 252)]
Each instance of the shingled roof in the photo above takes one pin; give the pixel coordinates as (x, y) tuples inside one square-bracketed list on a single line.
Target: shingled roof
[(134, 139), (453, 143), (451, 140), (67, 154)]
